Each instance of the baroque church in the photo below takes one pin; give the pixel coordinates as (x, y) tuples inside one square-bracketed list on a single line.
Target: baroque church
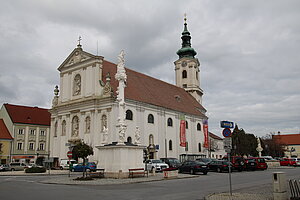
[(86, 107)]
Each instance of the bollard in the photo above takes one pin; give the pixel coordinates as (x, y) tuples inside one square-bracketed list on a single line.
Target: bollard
[(279, 186)]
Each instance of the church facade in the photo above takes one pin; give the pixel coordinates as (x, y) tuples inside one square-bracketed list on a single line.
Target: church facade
[(85, 106)]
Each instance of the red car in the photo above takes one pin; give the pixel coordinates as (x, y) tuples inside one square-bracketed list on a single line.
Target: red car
[(260, 163), (288, 162)]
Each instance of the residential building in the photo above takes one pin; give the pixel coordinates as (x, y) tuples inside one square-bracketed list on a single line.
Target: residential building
[(5, 144), (216, 146), (292, 142)]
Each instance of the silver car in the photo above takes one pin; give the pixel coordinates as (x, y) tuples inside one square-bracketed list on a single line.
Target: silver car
[(5, 167), (17, 166)]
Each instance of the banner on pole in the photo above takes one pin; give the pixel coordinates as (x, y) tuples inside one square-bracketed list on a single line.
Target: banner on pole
[(205, 130), (182, 132)]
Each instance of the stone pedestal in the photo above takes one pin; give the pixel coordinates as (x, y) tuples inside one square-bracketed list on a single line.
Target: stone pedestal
[(117, 159)]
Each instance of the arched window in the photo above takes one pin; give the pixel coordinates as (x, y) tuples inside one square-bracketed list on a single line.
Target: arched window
[(77, 85), (87, 124), (170, 122), (103, 122), (184, 74), (55, 129), (198, 127), (129, 140), (75, 126), (150, 119), (151, 139), (63, 128), (186, 125), (129, 114), (199, 147), (170, 145)]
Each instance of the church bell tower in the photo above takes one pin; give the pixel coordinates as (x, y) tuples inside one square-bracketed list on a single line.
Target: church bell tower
[(187, 67)]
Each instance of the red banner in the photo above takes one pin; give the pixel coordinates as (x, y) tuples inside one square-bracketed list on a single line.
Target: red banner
[(182, 133), (205, 130)]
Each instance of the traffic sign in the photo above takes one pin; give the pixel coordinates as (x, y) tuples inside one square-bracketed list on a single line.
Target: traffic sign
[(226, 124), (226, 132), (69, 154)]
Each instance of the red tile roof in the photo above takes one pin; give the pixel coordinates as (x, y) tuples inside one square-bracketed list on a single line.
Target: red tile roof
[(291, 139), (143, 88), (4, 133), (214, 136), (28, 115)]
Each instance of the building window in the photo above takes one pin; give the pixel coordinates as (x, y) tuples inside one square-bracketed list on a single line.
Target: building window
[(77, 85), (184, 74), (103, 122), (129, 114), (87, 124), (42, 133), (170, 122), (186, 125), (20, 146), (170, 145), (199, 147), (150, 119), (55, 129), (129, 140), (21, 131), (186, 146), (198, 127), (32, 132), (197, 75), (31, 146), (184, 85), (63, 128), (42, 147)]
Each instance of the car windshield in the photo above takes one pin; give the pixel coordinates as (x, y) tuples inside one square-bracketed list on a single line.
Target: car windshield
[(156, 161), (261, 160)]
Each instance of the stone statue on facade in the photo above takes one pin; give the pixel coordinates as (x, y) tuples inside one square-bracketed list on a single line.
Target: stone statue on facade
[(77, 85), (105, 135), (55, 99), (75, 124), (137, 136)]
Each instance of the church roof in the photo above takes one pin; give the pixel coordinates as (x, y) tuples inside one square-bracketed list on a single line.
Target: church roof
[(28, 115), (146, 89), (4, 133), (290, 139)]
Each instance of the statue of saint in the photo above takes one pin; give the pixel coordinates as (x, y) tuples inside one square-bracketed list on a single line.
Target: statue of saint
[(105, 135), (77, 85), (137, 135)]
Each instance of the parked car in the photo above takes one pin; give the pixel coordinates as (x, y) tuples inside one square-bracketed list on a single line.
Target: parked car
[(260, 163), (205, 160), (288, 162), (17, 166), (90, 166), (250, 164), (193, 167), (219, 166), (297, 161), (172, 162), (65, 163), (238, 162), (157, 165), (5, 167)]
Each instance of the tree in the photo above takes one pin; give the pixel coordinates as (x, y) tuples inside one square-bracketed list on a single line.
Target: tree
[(82, 150), (272, 146), (243, 143)]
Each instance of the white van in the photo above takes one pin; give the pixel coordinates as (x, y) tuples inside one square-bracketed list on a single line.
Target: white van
[(65, 163)]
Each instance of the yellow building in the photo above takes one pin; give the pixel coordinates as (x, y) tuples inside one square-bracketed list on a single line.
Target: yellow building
[(5, 143)]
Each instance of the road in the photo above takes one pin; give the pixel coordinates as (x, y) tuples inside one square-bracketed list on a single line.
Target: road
[(28, 187)]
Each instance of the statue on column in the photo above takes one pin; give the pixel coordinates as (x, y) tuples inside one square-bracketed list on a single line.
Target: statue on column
[(137, 136), (259, 148)]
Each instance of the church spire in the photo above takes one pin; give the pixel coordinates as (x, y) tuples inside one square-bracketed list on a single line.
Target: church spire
[(186, 48)]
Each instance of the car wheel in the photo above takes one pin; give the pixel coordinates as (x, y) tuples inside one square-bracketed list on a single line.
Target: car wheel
[(61, 168), (219, 170), (192, 171), (204, 173)]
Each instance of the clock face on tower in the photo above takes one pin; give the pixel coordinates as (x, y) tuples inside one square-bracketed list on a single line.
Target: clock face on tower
[(184, 64)]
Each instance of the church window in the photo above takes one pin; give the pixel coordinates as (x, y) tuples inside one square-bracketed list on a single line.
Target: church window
[(184, 85), (103, 122), (170, 145), (150, 119), (186, 125), (186, 146), (129, 140), (184, 74), (198, 127), (199, 147), (55, 129), (77, 85), (170, 122), (151, 139), (87, 124), (63, 128), (75, 126), (129, 115)]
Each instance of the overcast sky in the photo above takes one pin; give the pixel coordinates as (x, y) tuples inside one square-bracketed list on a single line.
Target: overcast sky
[(248, 50)]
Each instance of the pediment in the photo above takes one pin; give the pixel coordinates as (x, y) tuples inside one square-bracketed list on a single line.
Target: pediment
[(77, 56)]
